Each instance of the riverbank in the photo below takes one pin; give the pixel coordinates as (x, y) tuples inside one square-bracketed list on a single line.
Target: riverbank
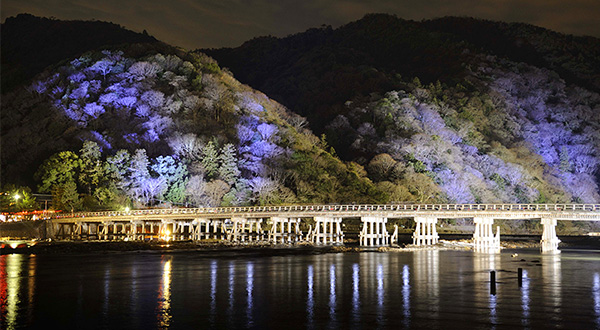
[(266, 248)]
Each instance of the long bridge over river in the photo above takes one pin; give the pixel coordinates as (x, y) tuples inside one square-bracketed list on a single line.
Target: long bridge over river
[(239, 224)]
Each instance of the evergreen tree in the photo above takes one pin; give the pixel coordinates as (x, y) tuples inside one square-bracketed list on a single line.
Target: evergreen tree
[(139, 173), (91, 169), (228, 169), (210, 159), (65, 197), (59, 169)]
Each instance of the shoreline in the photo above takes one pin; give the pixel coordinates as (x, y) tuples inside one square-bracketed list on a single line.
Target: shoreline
[(266, 248)]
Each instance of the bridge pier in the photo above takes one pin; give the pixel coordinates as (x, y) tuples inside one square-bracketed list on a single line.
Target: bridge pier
[(425, 231), (200, 229), (374, 232), (549, 240), (243, 229), (328, 230), (285, 230), (484, 238)]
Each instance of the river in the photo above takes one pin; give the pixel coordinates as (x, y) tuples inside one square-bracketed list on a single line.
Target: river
[(429, 289)]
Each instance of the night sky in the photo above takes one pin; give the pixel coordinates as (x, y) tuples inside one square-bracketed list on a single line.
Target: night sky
[(228, 23)]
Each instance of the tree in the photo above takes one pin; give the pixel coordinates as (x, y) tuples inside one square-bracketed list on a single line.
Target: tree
[(381, 166), (210, 159), (16, 199), (59, 169), (91, 171), (194, 190), (65, 197), (139, 173), (215, 190), (228, 167), (117, 169)]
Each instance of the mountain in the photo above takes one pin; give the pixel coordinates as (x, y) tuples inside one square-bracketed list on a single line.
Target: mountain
[(143, 124), (485, 111), (401, 111), (30, 43)]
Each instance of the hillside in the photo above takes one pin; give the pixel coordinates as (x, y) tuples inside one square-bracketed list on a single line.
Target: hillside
[(483, 111), (406, 112), (148, 124)]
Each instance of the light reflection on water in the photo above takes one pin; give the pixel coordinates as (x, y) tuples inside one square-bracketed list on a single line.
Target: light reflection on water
[(310, 303), (429, 288), (406, 295), (164, 296), (525, 299)]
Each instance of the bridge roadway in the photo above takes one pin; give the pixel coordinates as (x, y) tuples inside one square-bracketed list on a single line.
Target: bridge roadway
[(241, 223)]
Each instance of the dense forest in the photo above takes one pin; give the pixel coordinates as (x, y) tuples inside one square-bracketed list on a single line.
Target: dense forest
[(401, 111), (487, 111)]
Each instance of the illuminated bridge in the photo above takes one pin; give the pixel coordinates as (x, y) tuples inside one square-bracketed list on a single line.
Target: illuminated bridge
[(239, 224)]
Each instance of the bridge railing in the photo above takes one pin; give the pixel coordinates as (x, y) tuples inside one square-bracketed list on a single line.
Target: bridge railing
[(338, 208)]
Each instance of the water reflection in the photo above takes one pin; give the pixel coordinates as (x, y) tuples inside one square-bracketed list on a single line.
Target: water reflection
[(230, 287), (380, 295), (106, 291), (355, 293), (426, 284), (213, 292), (552, 275), (406, 295), (596, 294), (310, 303), (249, 290), (525, 301), (369, 290), (483, 264), (10, 287), (164, 295), (332, 295)]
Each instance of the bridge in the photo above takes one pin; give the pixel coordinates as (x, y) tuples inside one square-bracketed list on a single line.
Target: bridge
[(239, 224)]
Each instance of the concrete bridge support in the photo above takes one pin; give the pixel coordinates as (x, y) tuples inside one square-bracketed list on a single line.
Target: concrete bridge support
[(549, 239), (484, 238), (328, 230), (245, 229), (200, 229), (285, 230), (425, 232), (374, 232)]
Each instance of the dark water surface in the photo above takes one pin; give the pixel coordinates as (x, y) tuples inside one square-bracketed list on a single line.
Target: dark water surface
[(422, 290)]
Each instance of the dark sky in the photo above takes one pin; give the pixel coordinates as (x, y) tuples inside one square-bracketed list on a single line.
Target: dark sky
[(195, 24)]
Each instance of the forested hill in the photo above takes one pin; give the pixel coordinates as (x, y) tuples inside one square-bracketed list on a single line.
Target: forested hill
[(403, 112), (485, 110), (148, 124), (30, 43)]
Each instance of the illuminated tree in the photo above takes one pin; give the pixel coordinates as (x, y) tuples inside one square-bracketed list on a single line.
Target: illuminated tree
[(210, 159), (16, 199), (59, 169), (228, 164), (91, 171)]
